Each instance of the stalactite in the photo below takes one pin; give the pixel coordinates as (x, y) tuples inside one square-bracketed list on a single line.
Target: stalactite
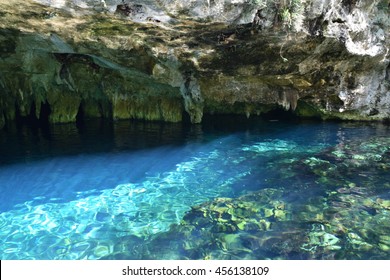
[(288, 99), (193, 100)]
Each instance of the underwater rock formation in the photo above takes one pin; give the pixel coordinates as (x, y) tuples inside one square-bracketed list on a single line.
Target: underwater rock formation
[(155, 60), (344, 217)]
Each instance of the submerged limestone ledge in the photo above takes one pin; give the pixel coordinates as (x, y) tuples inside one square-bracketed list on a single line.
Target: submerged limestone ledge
[(155, 60), (344, 214)]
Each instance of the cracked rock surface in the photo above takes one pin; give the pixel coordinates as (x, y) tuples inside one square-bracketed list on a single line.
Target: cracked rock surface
[(158, 60)]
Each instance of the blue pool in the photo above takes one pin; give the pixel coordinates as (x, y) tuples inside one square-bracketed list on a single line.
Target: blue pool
[(227, 189)]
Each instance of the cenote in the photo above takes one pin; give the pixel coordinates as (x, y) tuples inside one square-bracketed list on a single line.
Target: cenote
[(229, 188)]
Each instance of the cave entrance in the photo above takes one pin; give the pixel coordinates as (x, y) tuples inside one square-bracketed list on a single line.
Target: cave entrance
[(33, 119), (80, 117), (44, 113), (279, 114), (23, 118)]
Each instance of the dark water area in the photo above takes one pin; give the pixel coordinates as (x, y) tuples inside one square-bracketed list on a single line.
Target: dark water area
[(230, 188)]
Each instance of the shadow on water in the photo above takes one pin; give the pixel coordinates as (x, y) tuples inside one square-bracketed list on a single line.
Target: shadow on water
[(33, 140)]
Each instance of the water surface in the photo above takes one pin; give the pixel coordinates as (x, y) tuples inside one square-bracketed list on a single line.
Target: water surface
[(228, 189)]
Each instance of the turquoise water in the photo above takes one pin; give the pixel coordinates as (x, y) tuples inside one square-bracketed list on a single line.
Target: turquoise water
[(227, 189)]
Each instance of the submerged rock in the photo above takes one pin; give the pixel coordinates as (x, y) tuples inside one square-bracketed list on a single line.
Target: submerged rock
[(339, 217)]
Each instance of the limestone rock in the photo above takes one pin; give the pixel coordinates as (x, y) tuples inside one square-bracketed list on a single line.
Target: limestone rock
[(155, 60)]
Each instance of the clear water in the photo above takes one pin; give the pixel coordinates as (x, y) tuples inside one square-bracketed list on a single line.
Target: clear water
[(131, 189)]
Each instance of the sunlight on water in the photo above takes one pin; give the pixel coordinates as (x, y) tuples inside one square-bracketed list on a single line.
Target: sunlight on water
[(230, 187), (140, 209)]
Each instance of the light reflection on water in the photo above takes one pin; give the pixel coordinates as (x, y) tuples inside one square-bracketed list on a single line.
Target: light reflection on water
[(117, 189)]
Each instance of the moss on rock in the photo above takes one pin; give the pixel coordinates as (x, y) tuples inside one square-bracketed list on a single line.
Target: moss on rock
[(112, 66)]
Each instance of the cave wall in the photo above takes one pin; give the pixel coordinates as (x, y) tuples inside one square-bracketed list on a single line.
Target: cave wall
[(38, 72), (155, 60)]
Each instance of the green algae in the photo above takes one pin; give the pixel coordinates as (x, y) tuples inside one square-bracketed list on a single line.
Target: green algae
[(305, 110), (149, 108), (104, 26)]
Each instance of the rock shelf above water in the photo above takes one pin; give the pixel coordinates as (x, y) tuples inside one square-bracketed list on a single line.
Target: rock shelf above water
[(161, 60)]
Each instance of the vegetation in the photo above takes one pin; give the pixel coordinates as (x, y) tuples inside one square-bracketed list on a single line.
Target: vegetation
[(290, 11), (286, 11), (384, 5)]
